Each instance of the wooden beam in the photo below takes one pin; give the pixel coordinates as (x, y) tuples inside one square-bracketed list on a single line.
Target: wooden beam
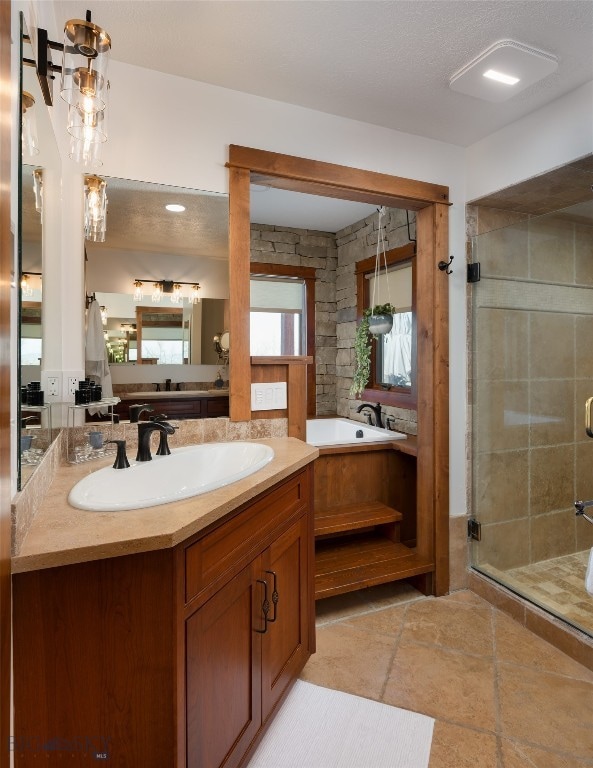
[(441, 403), (239, 248), (426, 267), (330, 180)]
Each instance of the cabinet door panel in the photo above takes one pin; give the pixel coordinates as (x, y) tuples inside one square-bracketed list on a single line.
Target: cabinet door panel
[(223, 671), (284, 646)]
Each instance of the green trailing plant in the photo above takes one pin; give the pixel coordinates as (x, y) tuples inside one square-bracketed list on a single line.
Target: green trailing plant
[(362, 348)]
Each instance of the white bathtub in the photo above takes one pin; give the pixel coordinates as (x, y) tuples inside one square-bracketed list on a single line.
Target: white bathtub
[(321, 432)]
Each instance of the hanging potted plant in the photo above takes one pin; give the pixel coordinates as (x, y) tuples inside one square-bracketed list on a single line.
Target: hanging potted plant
[(381, 316), (376, 321)]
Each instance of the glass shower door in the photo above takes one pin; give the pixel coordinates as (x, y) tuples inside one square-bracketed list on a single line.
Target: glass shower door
[(532, 371)]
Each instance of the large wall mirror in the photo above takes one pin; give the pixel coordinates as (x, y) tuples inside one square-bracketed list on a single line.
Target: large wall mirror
[(161, 277), (38, 155)]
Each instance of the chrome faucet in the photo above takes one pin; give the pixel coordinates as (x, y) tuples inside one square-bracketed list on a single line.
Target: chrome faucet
[(145, 429), (376, 409)]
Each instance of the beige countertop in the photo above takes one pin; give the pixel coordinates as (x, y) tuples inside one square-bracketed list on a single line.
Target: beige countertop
[(61, 534)]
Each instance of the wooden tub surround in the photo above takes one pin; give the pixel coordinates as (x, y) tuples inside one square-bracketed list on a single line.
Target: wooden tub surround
[(157, 648), (365, 518)]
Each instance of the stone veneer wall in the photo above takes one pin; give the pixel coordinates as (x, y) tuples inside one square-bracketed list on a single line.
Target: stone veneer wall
[(309, 248), (354, 243)]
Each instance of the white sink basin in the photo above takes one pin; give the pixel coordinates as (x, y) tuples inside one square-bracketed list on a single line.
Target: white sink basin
[(187, 472)]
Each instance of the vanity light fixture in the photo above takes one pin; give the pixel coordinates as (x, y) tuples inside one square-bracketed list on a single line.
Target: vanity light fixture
[(167, 287), (95, 208), (30, 143), (83, 85), (26, 290), (38, 189)]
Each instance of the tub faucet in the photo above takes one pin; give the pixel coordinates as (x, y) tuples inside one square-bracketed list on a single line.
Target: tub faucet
[(376, 409), (145, 429), (167, 385)]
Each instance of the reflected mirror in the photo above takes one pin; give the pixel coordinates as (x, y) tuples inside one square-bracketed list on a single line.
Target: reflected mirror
[(161, 275), (38, 153)]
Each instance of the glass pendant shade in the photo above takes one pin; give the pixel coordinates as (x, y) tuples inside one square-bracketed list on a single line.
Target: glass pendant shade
[(87, 154), (87, 127), (30, 142), (157, 293), (38, 189), (95, 208), (176, 296), (194, 296), (138, 292), (84, 81)]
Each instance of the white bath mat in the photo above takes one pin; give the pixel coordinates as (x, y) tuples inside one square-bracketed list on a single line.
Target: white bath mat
[(320, 728)]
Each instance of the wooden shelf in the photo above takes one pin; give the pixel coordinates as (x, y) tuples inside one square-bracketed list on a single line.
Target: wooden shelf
[(363, 560), (353, 516)]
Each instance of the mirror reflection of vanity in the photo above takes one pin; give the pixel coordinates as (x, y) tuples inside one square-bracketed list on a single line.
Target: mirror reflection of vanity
[(38, 155)]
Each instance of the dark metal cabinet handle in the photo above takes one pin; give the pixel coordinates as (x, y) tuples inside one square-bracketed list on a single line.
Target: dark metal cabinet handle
[(275, 597), (265, 606)]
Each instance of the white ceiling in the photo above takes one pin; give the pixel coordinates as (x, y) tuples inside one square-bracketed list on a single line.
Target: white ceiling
[(383, 62)]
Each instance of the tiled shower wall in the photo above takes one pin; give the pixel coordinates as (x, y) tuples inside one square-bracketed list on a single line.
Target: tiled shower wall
[(532, 355)]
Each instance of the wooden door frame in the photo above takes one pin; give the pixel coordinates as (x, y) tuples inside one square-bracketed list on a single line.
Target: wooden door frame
[(430, 201)]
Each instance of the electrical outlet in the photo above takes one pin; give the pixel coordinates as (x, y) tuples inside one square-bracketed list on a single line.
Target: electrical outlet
[(72, 384), (53, 386)]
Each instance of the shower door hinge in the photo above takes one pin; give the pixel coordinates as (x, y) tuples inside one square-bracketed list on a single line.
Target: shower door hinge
[(474, 529), (473, 272)]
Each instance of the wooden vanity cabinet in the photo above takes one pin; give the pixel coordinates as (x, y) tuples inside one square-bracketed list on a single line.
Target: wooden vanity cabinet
[(166, 657)]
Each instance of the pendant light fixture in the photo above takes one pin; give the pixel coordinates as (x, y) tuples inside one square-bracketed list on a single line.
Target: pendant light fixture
[(84, 84), (95, 208)]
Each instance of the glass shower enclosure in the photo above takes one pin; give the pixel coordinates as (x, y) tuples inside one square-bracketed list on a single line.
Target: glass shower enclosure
[(532, 372)]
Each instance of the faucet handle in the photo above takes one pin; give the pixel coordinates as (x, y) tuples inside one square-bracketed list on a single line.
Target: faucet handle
[(121, 460), (158, 417)]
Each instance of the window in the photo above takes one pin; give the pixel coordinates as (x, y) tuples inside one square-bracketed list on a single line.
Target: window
[(277, 318), (282, 318), (393, 355)]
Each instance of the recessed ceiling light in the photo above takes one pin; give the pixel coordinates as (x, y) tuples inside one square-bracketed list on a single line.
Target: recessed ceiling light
[(175, 208), (500, 77), (489, 74)]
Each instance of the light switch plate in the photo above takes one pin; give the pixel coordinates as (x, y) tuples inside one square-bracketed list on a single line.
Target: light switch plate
[(269, 396)]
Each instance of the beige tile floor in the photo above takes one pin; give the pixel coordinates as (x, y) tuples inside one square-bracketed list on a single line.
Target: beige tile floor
[(501, 696)]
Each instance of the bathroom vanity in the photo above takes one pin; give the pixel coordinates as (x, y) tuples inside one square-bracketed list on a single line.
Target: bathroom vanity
[(171, 636), (183, 404)]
